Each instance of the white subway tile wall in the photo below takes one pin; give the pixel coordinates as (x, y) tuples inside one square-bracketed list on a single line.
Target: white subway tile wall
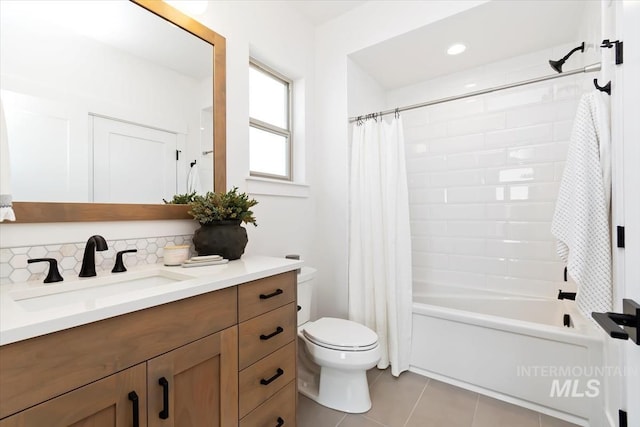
[(483, 176), (14, 267)]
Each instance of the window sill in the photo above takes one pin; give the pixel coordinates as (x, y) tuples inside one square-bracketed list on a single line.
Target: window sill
[(272, 187)]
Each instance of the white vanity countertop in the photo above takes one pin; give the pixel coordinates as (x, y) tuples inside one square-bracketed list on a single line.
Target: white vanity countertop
[(18, 323)]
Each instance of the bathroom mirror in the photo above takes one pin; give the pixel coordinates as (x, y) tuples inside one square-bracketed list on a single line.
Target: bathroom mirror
[(178, 106)]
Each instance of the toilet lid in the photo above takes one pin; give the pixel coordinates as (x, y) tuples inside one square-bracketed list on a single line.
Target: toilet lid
[(340, 334)]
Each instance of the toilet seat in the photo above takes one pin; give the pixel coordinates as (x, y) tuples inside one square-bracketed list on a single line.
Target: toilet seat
[(340, 334)]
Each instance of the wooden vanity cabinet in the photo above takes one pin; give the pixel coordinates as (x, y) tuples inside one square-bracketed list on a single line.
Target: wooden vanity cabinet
[(202, 361)]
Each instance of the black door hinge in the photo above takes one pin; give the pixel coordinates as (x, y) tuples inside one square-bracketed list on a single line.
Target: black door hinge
[(177, 155), (622, 418), (620, 236), (618, 44)]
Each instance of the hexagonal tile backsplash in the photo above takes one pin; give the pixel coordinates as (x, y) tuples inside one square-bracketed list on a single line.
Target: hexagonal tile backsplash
[(14, 267)]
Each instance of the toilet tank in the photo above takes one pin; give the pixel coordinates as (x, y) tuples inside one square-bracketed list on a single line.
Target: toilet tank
[(305, 293)]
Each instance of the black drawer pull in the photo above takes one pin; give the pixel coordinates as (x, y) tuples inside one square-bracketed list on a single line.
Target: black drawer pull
[(164, 414), (279, 372), (280, 422), (133, 397), (273, 294), (278, 330)]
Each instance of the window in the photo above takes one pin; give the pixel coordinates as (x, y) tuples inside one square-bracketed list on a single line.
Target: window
[(269, 123)]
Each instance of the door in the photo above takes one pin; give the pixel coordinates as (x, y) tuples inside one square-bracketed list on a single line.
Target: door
[(196, 385), (624, 356), (47, 139), (133, 163), (630, 77), (112, 401)]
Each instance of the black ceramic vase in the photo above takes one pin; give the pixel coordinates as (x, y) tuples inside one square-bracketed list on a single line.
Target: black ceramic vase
[(225, 238)]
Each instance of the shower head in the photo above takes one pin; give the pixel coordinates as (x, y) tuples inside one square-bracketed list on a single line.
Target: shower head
[(557, 65)]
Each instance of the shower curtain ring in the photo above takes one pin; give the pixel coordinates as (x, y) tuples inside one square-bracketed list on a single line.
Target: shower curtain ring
[(397, 113)]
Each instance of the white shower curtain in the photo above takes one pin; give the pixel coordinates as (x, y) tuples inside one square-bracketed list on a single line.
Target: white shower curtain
[(379, 239)]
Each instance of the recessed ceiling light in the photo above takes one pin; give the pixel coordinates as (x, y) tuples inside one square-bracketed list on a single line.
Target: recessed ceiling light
[(456, 49)]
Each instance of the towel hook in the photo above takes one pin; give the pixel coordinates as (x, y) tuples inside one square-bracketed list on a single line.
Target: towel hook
[(606, 88), (606, 43)]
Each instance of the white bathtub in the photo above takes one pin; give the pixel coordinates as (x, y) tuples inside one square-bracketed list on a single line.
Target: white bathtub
[(514, 348)]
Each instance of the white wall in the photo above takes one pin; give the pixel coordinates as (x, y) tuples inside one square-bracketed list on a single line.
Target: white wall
[(364, 26), (277, 36), (365, 95), (280, 38), (484, 173)]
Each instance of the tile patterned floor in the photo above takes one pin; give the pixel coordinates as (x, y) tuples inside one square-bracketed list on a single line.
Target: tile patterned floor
[(416, 401)]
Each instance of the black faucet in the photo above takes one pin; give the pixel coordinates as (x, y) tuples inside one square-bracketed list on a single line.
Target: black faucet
[(95, 243)]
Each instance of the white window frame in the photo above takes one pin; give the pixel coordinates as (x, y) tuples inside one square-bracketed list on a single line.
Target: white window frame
[(276, 130)]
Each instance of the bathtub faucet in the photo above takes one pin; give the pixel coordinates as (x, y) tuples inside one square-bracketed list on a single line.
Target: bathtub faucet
[(566, 295)]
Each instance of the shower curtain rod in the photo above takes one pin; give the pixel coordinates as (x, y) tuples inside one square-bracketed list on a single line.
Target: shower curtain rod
[(588, 69)]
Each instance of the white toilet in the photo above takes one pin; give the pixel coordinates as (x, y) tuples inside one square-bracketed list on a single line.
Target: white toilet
[(333, 355)]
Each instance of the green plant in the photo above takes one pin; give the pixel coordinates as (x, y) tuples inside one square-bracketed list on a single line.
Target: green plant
[(223, 206), (181, 199)]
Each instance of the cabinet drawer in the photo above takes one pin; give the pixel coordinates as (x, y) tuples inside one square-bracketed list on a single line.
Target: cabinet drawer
[(261, 296), (264, 334), (264, 378), (278, 410)]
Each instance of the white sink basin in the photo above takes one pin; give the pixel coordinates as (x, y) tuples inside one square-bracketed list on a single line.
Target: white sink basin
[(94, 292)]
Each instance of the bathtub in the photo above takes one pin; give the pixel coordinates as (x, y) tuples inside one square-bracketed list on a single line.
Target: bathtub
[(513, 348)]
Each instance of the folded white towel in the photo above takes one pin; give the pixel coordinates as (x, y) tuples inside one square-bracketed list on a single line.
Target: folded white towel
[(6, 211), (581, 219)]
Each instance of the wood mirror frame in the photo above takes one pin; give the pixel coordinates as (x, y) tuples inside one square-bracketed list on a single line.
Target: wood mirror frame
[(32, 212)]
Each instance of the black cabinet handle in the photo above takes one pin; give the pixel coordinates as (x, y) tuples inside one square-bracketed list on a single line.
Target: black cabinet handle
[(279, 372), (280, 422), (133, 397), (164, 414), (273, 294), (278, 330)]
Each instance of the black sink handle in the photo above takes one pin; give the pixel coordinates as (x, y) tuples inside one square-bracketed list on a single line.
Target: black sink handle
[(54, 274), (119, 265)]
